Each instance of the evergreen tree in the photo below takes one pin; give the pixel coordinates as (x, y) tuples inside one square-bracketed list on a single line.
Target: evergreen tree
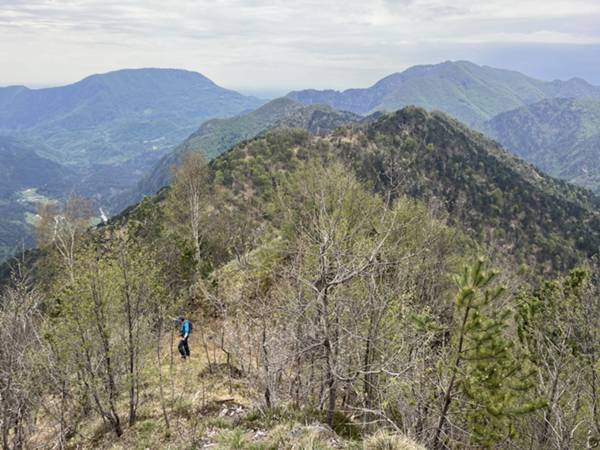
[(485, 371)]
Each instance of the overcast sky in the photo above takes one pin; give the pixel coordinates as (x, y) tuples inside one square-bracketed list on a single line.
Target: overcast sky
[(290, 44)]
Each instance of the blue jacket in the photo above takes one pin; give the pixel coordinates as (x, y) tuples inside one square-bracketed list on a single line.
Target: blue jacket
[(185, 328)]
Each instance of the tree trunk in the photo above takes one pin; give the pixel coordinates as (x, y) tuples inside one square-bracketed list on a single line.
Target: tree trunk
[(437, 444), (131, 348), (268, 399), (163, 405), (331, 385), (113, 417)]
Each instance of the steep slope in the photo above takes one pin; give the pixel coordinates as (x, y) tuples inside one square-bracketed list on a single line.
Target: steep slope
[(560, 136), (218, 135), (277, 280), (498, 199), (25, 178), (22, 168), (468, 92)]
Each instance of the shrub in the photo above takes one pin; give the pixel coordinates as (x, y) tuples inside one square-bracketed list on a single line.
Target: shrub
[(384, 440)]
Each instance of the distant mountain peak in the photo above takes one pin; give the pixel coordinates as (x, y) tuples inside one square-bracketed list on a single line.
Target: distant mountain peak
[(149, 71), (131, 74), (111, 128), (467, 91)]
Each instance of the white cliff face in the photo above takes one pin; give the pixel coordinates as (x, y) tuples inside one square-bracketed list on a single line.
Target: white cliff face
[(103, 216)]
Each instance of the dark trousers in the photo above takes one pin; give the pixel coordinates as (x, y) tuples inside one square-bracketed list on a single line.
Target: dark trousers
[(184, 348)]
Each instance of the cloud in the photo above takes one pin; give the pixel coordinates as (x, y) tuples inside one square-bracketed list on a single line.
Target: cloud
[(278, 43)]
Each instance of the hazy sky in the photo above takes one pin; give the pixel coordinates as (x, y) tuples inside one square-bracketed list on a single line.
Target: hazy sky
[(285, 44)]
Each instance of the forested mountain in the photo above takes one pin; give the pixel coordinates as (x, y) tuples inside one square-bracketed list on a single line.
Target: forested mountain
[(107, 129), (466, 91), (498, 198), (553, 125), (114, 117), (25, 178), (117, 131), (332, 254), (218, 135), (560, 136)]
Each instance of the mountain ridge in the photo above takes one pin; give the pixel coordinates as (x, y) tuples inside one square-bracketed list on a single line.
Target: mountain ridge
[(467, 91), (560, 136), (216, 136), (274, 206), (536, 220)]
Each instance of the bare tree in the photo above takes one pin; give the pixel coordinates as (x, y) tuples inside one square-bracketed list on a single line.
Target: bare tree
[(61, 226), (188, 199), (20, 381), (319, 301)]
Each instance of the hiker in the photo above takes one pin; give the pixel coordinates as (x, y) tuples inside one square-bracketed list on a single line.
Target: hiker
[(185, 328)]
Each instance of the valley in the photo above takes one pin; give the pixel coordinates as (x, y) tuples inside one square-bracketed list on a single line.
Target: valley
[(105, 132)]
